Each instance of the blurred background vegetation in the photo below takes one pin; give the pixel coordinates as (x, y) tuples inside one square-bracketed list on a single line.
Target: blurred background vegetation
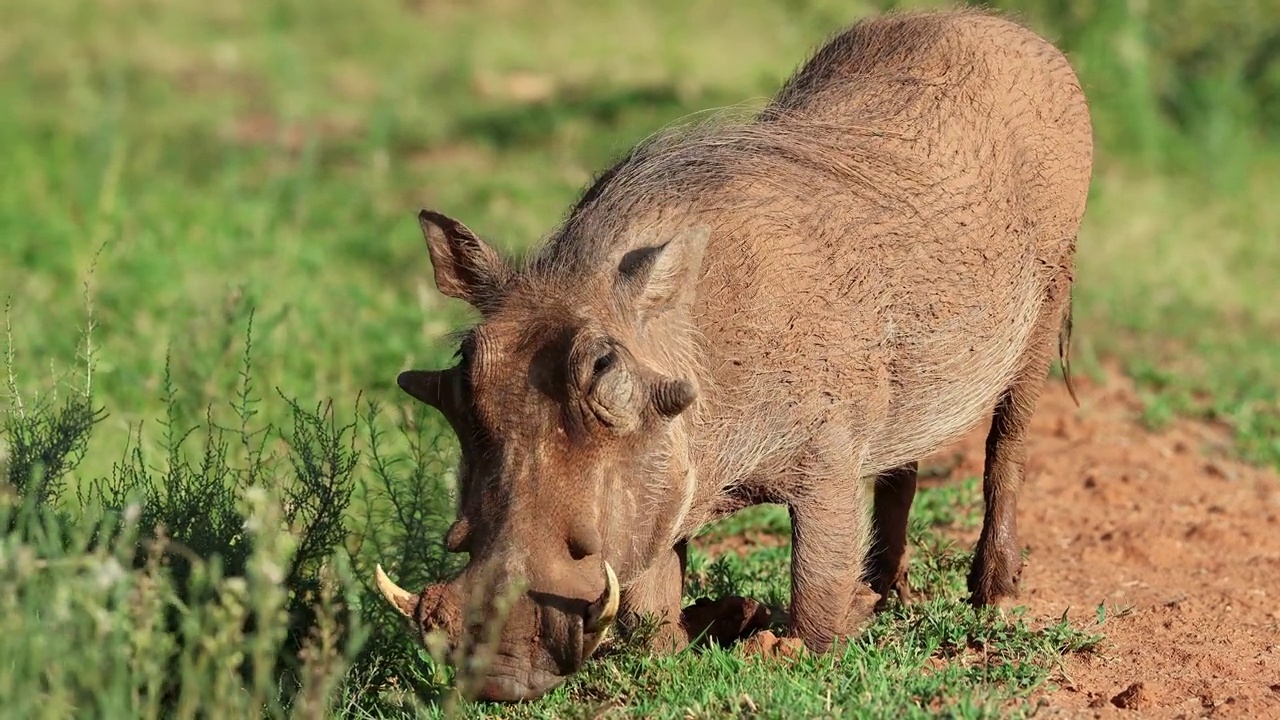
[(207, 234)]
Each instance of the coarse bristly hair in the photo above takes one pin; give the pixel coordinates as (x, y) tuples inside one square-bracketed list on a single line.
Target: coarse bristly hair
[(852, 160), (778, 306)]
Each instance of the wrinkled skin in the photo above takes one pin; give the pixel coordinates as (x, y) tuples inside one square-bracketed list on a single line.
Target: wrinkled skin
[(792, 310), (556, 421)]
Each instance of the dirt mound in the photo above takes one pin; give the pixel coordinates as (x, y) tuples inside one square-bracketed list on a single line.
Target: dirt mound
[(1181, 544)]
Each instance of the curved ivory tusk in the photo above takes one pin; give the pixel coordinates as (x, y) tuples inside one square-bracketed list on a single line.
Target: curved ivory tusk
[(612, 597), (402, 600), (608, 612)]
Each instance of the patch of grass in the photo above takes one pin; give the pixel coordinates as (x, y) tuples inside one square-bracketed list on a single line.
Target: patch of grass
[(936, 656), (770, 519), (1176, 282)]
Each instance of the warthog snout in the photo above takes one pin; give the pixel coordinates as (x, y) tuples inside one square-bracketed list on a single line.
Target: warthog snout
[(545, 637)]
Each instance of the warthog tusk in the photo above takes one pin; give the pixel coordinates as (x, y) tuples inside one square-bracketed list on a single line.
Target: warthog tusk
[(401, 599), (598, 621), (599, 625), (612, 596)]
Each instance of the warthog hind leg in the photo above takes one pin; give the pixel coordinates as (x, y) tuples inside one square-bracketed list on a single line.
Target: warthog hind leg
[(997, 560), (887, 566)]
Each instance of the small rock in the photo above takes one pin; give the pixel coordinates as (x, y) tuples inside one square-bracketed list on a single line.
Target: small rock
[(762, 644), (789, 648), (1131, 698), (767, 645)]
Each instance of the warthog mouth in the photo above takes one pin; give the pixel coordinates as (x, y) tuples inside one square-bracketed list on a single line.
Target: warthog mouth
[(509, 677)]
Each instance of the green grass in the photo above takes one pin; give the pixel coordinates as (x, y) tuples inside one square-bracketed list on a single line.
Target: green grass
[(934, 656), (181, 168)]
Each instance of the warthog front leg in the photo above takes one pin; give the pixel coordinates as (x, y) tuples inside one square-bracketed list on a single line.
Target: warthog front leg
[(894, 493), (829, 536)]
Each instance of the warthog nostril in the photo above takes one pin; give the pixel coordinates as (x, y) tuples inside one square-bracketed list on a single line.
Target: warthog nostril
[(584, 541)]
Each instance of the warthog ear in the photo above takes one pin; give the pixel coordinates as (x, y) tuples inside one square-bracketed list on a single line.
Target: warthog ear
[(466, 267), (659, 277), (428, 386), (458, 538), (437, 388)]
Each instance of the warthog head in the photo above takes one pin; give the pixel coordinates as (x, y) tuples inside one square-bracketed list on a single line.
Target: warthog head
[(574, 463)]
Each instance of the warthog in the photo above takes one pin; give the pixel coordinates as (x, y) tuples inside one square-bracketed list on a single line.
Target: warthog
[(790, 308)]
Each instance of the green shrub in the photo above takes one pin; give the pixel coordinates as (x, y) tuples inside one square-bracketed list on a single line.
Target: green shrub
[(220, 581)]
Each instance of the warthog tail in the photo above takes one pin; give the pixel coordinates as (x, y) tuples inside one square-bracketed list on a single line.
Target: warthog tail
[(1064, 350)]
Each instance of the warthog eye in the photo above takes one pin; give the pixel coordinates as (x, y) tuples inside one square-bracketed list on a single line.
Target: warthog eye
[(604, 362)]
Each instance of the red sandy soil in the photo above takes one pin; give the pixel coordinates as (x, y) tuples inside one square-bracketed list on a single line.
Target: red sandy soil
[(1180, 542)]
